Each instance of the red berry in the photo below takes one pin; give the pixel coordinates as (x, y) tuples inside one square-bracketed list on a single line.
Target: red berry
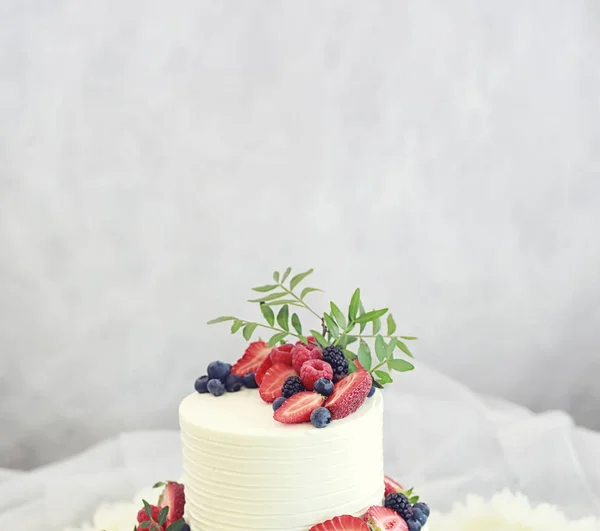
[(342, 523), (349, 394), (252, 358), (301, 353), (142, 515), (282, 354), (262, 370), (298, 408), (391, 486), (173, 497), (275, 377), (385, 519), (312, 370)]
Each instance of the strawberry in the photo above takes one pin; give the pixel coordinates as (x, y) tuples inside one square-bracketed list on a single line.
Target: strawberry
[(391, 486), (272, 382), (142, 515), (298, 408), (349, 394), (282, 354), (302, 353), (262, 369), (252, 358), (385, 519), (312, 370), (342, 523), (173, 497)]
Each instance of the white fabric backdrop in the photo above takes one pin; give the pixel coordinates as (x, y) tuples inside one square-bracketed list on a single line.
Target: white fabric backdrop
[(440, 437)]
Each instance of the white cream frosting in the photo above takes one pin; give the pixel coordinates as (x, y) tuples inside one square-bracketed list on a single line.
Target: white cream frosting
[(244, 471)]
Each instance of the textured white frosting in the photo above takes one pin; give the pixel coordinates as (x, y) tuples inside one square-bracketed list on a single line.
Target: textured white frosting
[(244, 471)]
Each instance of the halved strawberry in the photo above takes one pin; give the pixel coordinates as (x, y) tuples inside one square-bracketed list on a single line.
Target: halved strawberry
[(391, 486), (297, 408), (342, 523), (385, 519), (252, 358), (262, 370), (282, 354), (273, 381), (173, 497), (349, 394)]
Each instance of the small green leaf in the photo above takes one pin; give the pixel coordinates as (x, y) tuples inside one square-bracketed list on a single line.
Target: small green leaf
[(162, 515), (342, 342), (291, 302), (177, 525), (270, 297), (306, 291), (354, 305), (146, 524), (400, 365), (384, 377), (391, 325), (349, 355), (402, 346), (267, 314), (299, 278), (236, 325), (351, 366), (147, 508), (159, 484), (276, 339), (371, 316), (377, 384), (276, 276), (304, 339), (286, 274), (376, 326), (296, 323), (249, 330), (262, 289), (283, 317), (332, 327), (364, 355), (319, 338), (389, 351), (380, 347), (351, 339), (338, 315), (409, 338), (362, 312), (413, 499), (221, 319)]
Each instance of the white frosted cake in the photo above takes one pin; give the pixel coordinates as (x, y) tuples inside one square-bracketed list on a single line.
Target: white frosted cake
[(243, 471)]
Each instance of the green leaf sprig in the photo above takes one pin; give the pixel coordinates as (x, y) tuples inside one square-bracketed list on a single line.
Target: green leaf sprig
[(150, 525), (378, 352)]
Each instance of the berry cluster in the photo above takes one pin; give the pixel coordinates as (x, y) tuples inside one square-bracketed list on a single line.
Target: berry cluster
[(168, 514), (415, 515), (220, 379)]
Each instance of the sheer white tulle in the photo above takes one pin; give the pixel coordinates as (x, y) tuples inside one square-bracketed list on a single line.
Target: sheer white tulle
[(440, 438)]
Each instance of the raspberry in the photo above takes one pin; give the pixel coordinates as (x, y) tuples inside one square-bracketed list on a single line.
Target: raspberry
[(399, 503), (292, 386), (335, 357), (301, 353), (142, 515), (312, 370)]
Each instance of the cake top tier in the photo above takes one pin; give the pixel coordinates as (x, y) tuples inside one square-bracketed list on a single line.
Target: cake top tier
[(244, 413)]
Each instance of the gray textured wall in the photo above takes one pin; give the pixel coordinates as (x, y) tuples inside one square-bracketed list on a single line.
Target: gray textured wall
[(158, 158)]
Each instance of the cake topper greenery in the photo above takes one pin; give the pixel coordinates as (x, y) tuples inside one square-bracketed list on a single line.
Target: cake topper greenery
[(368, 337)]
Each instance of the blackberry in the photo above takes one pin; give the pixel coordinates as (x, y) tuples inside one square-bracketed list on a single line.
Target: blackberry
[(399, 502), (292, 386), (335, 357)]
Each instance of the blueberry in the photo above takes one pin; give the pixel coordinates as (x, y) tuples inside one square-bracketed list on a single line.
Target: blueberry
[(200, 384), (219, 370), (371, 392), (320, 417), (215, 387), (413, 525), (185, 527), (250, 381), (423, 507), (324, 386), (278, 403), (419, 515), (233, 383)]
